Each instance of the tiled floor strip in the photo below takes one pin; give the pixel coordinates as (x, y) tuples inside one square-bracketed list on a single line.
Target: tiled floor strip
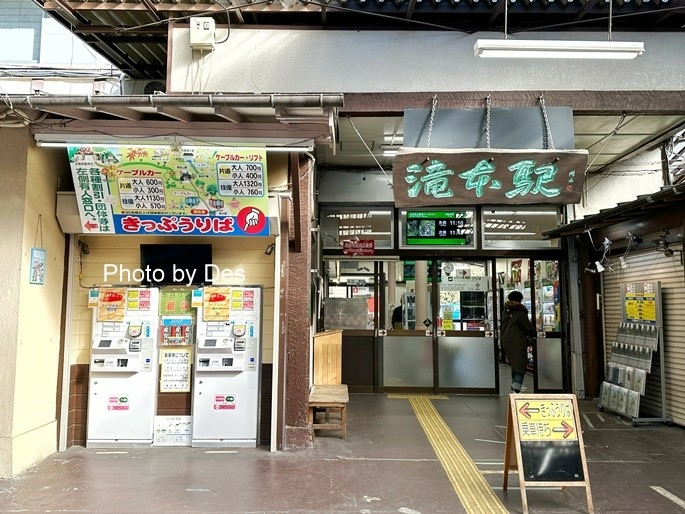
[(474, 492)]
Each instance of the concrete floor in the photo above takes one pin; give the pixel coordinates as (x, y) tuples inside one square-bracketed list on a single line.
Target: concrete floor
[(386, 465)]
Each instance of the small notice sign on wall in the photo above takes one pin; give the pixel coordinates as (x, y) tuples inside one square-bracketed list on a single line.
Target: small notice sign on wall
[(544, 443), (359, 247)]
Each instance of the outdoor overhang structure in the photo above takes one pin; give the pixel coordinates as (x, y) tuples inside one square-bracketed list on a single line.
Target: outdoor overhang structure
[(641, 207), (277, 120)]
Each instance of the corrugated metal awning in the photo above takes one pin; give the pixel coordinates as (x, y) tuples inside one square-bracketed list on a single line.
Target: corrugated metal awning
[(639, 207)]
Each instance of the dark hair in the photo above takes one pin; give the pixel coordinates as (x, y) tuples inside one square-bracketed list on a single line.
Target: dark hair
[(515, 296)]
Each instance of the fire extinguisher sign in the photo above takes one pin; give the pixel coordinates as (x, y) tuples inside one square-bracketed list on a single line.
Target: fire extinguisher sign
[(224, 401)]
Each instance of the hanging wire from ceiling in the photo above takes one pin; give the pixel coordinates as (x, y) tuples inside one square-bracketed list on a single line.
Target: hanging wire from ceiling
[(607, 139), (370, 152)]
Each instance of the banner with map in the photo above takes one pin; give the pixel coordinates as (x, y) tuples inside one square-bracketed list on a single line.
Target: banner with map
[(164, 190)]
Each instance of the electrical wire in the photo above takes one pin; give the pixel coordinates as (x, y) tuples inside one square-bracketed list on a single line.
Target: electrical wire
[(182, 18), (589, 233), (228, 21), (384, 16), (369, 150)]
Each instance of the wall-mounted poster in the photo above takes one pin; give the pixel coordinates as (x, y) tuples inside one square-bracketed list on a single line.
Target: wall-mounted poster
[(175, 370), (37, 269), (185, 190)]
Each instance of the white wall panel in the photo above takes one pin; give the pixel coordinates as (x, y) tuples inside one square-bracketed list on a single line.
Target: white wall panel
[(320, 61)]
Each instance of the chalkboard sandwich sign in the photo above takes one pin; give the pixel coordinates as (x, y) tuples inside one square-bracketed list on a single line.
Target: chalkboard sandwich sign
[(545, 444)]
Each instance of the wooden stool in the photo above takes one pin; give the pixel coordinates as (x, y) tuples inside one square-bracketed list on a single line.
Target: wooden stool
[(328, 398)]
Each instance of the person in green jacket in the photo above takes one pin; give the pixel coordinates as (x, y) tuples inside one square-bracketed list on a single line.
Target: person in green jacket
[(516, 329)]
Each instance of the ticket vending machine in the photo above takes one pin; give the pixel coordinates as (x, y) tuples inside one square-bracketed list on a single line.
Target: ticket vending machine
[(122, 389), (227, 370)]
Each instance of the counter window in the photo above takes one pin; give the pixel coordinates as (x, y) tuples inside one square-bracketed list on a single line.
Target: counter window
[(520, 228), (338, 224)]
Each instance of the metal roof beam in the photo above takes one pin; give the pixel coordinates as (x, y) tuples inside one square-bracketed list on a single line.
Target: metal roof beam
[(70, 112), (175, 113), (229, 114), (209, 9), (496, 11), (121, 112), (153, 9), (586, 8)]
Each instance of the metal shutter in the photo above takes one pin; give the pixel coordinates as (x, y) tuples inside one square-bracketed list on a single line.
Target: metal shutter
[(652, 266)]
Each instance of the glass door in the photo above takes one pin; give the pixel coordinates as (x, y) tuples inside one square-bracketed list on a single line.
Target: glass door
[(405, 360), (548, 356), (466, 352), (538, 282)]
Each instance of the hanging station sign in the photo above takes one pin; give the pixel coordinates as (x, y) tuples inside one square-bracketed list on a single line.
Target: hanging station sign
[(171, 191), (433, 177)]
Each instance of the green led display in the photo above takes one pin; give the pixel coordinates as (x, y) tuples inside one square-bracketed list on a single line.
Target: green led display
[(438, 228)]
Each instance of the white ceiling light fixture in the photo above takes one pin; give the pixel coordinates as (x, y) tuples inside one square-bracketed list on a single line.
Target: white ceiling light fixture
[(389, 150), (555, 49), (65, 144)]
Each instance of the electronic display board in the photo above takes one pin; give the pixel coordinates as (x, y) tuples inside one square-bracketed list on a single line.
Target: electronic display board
[(437, 228)]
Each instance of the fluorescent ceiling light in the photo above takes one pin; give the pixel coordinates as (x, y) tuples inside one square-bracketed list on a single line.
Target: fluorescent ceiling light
[(505, 233), (65, 144), (553, 49), (389, 150), (517, 213)]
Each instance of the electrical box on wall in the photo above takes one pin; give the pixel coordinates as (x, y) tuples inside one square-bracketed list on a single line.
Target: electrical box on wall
[(202, 33)]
